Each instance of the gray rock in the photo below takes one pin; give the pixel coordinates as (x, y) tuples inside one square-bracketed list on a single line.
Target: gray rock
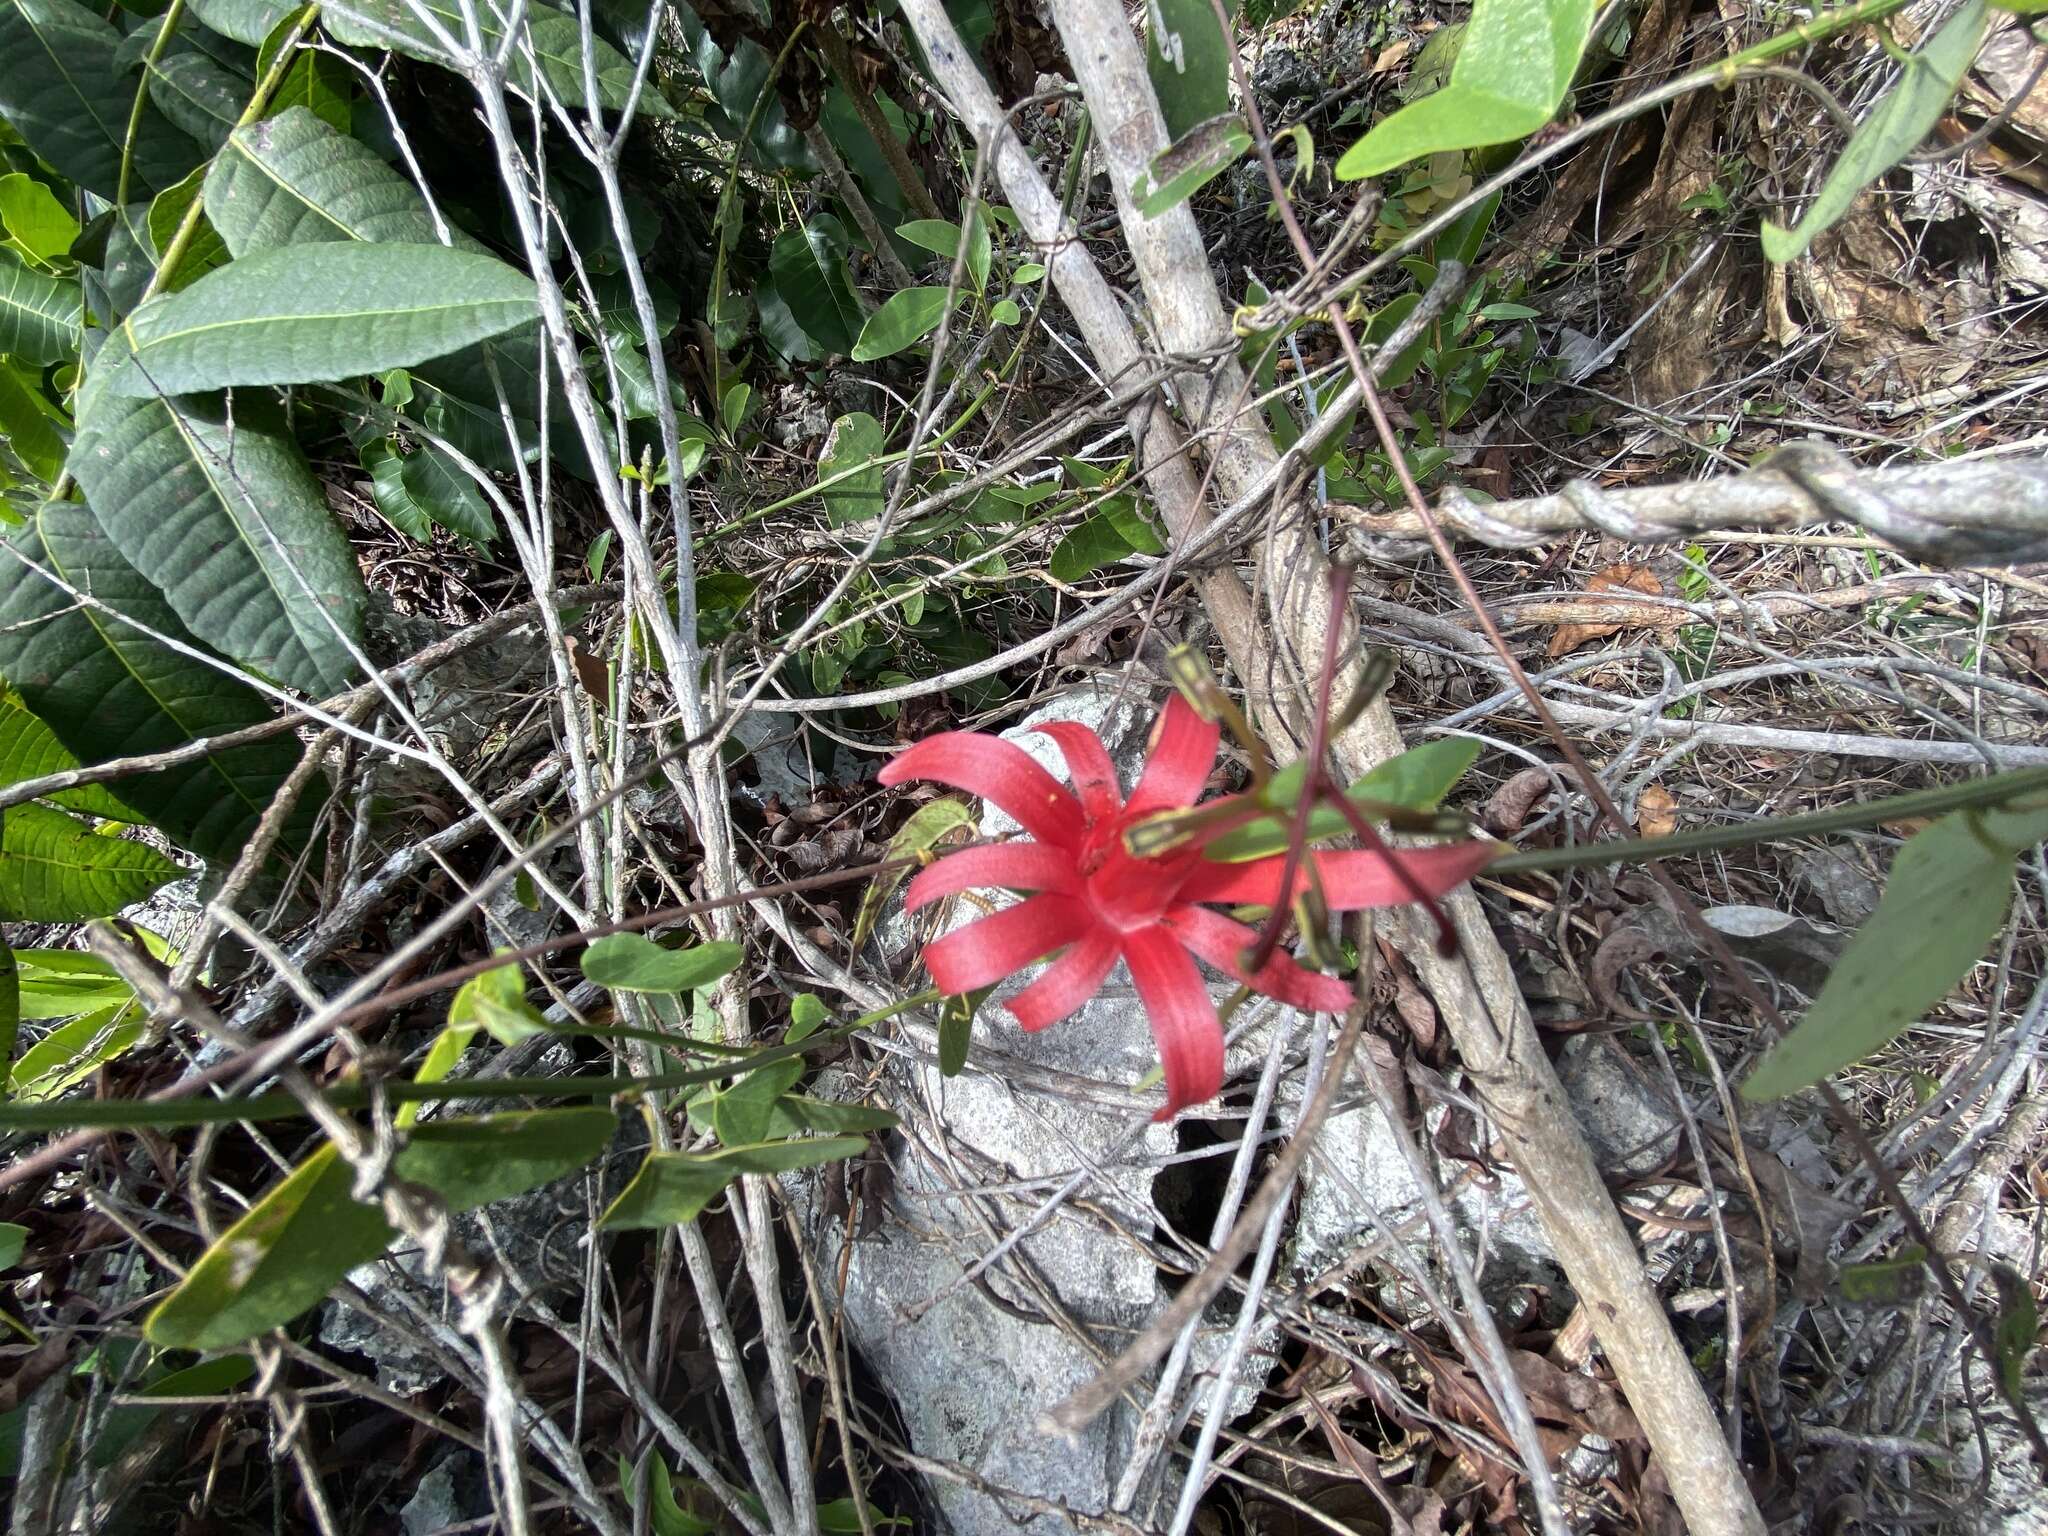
[(454, 1490)]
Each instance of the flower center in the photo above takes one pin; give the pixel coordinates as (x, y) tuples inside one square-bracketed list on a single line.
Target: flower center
[(1126, 892)]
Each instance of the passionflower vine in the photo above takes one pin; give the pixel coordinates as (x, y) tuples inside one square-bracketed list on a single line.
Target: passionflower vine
[(1093, 900)]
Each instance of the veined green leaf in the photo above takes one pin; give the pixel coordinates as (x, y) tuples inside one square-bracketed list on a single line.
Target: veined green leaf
[(853, 444), (1513, 68), (63, 91), (418, 490), (1201, 154), (292, 180), (673, 1187), (632, 962), (71, 1053), (317, 82), (321, 312), (246, 21), (809, 267), (1893, 130), (556, 39), (1946, 899), (300, 1240), (29, 749), (36, 223), (107, 690), (170, 477), (197, 95), (906, 318), (495, 1002), (39, 314), (55, 868), (29, 429)]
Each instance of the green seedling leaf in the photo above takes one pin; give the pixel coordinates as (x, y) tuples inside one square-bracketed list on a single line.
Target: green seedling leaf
[(956, 1029), (926, 827), (298, 1242), (909, 315), (309, 314), (1201, 154), (738, 1112), (55, 868), (632, 962), (1514, 65), (495, 1002), (71, 1053), (13, 1239), (1888, 1282), (1417, 780), (853, 445), (1893, 130), (1945, 902), (733, 409), (674, 1187), (807, 1012)]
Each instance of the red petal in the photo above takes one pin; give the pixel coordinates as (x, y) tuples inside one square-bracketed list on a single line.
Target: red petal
[(1067, 983), (1351, 881), (1001, 773), (1180, 761), (987, 950), (1183, 1019), (1011, 866), (1088, 765), (1221, 941)]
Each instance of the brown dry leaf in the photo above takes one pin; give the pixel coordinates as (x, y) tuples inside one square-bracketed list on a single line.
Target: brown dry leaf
[(1656, 812), (1390, 57), (1616, 578)]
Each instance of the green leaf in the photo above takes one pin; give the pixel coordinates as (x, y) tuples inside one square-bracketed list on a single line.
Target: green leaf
[(795, 1115), (1888, 1282), (922, 832), (246, 21), (1417, 780), (380, 456), (1893, 130), (1113, 533), (63, 983), (105, 689), (632, 962), (1190, 163), (733, 409), (63, 91), (495, 1002), (55, 868), (2019, 1324), (319, 83), (674, 1187), (806, 1013), (1947, 898), (10, 1028), (956, 1030), (36, 223), (167, 212), (70, 1053), (1004, 312), (556, 40), (809, 267), (28, 428), (39, 314), (942, 238), (321, 312), (13, 1239), (1188, 58), (298, 1242), (292, 180), (854, 441), (197, 95), (739, 1112), (418, 490), (126, 1421), (1513, 68), (909, 315), (171, 476)]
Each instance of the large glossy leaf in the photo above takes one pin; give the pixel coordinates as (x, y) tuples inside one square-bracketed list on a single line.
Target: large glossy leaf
[(27, 427), (198, 96), (246, 21), (1893, 130), (54, 868), (1946, 900), (29, 749), (218, 508), (106, 690), (675, 1187), (905, 318), (1513, 68), (809, 267), (298, 1242), (39, 314), (319, 312), (292, 180), (63, 91), (556, 40), (738, 81), (416, 491)]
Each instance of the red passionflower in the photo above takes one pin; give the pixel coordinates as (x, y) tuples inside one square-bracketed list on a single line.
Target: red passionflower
[(1097, 902)]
